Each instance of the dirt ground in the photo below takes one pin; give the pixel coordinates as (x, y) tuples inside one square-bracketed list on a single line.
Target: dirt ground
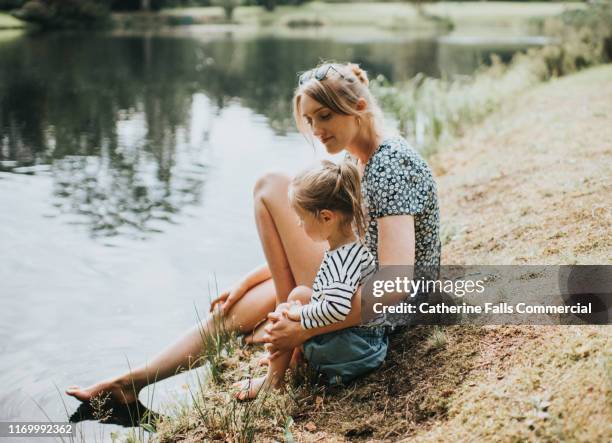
[(533, 183)]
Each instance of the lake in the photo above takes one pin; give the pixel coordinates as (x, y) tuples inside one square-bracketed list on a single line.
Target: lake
[(126, 168)]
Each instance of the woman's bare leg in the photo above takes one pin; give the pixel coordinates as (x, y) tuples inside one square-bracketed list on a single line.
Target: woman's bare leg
[(293, 260), (184, 354), (292, 256)]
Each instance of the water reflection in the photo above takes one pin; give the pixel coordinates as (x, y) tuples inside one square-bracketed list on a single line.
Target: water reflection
[(123, 121), (118, 199)]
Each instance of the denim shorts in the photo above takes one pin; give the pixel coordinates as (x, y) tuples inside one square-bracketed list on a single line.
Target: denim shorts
[(341, 356)]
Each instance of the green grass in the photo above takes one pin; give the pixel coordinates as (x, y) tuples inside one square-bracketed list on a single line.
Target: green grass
[(215, 415), (9, 22)]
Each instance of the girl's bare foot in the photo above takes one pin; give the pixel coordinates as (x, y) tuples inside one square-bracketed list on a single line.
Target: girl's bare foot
[(248, 388), (121, 392)]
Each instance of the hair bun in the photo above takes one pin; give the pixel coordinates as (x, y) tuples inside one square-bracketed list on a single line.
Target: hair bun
[(359, 73)]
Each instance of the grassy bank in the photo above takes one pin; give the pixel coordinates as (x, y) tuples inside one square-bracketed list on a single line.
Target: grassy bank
[(398, 16), (537, 173), (517, 188), (523, 185)]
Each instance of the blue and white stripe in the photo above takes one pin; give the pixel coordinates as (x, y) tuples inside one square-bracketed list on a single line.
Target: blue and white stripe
[(342, 271)]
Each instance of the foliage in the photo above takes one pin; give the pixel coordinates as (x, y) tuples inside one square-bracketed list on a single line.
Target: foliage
[(82, 13), (431, 111), (64, 13), (418, 4), (270, 5), (214, 413), (593, 23), (154, 5), (6, 5), (228, 7)]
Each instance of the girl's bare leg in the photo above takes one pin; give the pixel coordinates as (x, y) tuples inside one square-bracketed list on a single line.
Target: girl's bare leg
[(275, 378), (248, 389), (293, 259)]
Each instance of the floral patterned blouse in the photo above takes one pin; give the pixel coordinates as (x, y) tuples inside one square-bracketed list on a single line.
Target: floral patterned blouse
[(397, 181)]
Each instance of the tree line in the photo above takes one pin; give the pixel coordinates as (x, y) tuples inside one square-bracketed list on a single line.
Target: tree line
[(85, 13)]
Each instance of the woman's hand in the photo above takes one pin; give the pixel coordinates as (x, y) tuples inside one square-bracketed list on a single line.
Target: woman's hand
[(230, 296), (295, 311), (227, 299), (284, 334)]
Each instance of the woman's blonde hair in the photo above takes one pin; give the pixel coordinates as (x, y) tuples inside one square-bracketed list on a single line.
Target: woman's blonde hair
[(340, 89), (331, 186)]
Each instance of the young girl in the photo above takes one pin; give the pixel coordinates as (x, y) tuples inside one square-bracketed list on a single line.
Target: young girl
[(328, 203)]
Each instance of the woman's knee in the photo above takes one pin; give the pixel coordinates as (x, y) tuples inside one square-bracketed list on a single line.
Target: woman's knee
[(270, 183)]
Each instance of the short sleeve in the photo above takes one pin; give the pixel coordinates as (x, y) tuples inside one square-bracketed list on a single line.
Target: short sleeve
[(401, 184), (368, 266), (343, 270)]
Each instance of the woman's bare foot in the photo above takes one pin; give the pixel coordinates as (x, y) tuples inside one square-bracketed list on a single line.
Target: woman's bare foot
[(248, 388), (120, 392)]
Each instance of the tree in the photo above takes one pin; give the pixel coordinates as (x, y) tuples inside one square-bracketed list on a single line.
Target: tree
[(64, 13), (82, 13), (419, 5), (228, 7), (7, 5), (268, 5)]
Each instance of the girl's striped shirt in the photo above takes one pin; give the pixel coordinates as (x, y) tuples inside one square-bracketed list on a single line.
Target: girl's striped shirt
[(342, 271)]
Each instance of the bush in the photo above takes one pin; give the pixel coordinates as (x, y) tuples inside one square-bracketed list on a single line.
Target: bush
[(64, 13), (7, 5)]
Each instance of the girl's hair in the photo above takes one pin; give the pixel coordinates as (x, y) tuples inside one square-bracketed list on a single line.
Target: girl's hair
[(340, 89), (331, 186)]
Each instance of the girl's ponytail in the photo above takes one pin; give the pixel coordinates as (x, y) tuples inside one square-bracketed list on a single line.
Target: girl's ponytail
[(350, 181), (336, 187)]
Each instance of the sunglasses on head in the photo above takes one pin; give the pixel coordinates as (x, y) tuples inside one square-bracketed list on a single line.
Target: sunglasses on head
[(319, 74)]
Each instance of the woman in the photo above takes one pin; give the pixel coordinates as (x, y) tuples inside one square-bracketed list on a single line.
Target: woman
[(332, 103)]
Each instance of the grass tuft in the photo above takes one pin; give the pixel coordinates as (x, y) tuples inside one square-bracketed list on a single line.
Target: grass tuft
[(437, 340)]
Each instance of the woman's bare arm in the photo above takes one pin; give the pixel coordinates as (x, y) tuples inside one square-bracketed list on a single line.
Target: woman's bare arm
[(230, 296), (256, 276), (396, 240)]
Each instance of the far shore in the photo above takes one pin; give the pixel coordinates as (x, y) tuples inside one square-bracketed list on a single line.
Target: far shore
[(395, 16)]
